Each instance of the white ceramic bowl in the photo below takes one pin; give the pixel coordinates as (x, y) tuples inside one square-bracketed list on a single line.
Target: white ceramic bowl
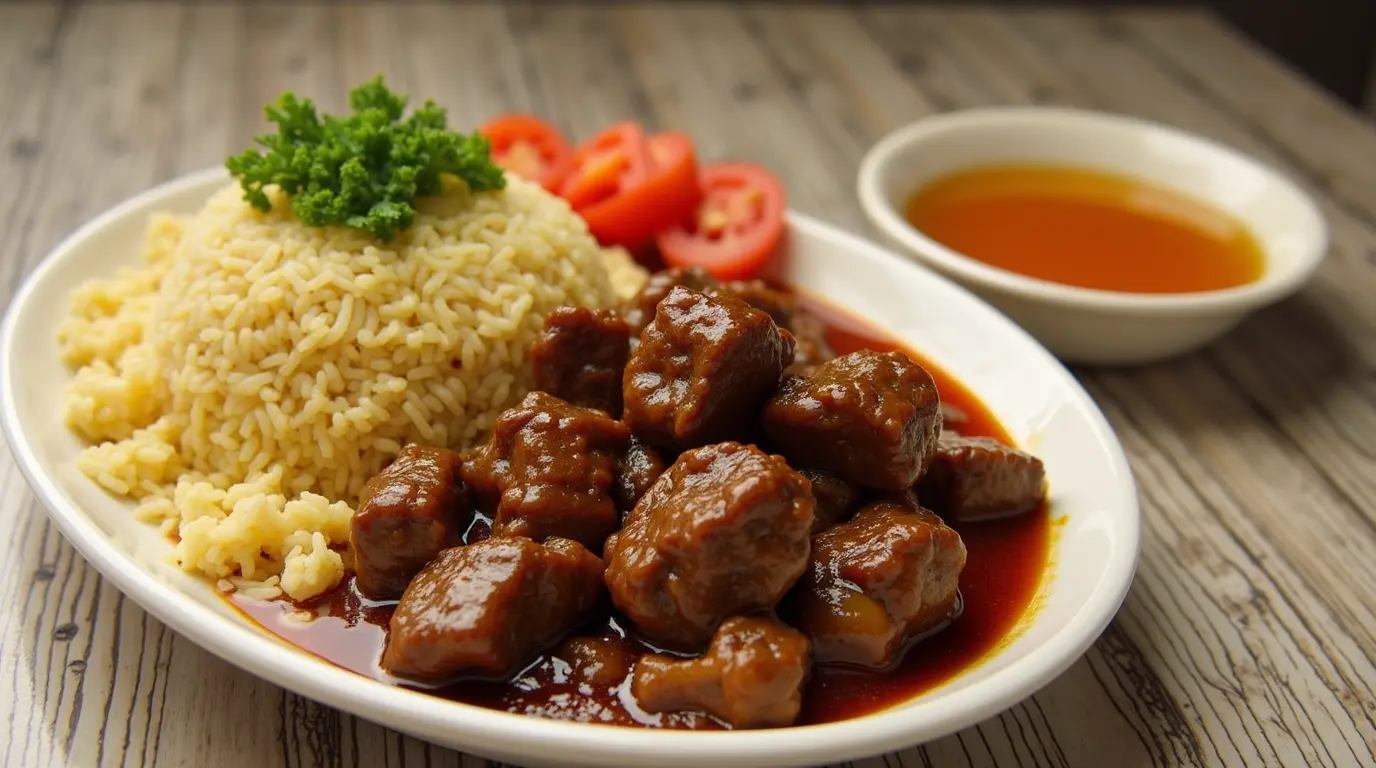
[(1039, 403), (1080, 324)]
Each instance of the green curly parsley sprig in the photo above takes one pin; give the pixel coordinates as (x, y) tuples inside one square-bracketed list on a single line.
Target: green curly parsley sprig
[(363, 170)]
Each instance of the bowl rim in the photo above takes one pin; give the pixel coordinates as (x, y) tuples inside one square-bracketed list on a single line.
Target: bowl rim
[(1271, 287), (493, 732)]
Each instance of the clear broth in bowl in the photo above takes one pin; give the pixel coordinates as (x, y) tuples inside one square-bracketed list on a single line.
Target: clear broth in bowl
[(1087, 229)]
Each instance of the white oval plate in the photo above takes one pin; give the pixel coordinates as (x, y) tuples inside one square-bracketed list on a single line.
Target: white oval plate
[(1036, 399)]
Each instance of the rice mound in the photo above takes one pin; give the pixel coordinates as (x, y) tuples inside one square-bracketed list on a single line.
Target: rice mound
[(246, 381)]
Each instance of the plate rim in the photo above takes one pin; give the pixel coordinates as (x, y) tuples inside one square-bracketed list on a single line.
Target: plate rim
[(497, 733)]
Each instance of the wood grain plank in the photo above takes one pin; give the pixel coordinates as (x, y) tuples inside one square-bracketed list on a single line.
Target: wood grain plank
[(53, 615), (471, 80), (203, 128), (994, 73), (922, 53), (1307, 125), (29, 39), (738, 107), (570, 49), (1280, 641)]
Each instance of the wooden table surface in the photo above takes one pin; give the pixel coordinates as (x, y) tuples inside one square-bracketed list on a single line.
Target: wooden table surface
[(1248, 637)]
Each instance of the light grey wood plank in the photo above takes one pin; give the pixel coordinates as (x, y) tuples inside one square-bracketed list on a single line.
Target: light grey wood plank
[(1284, 110)]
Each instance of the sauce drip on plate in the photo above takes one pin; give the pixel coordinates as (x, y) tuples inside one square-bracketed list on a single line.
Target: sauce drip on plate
[(1006, 562), (1087, 229)]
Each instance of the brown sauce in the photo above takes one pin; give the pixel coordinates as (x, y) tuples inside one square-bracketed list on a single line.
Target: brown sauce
[(1087, 229), (1004, 569)]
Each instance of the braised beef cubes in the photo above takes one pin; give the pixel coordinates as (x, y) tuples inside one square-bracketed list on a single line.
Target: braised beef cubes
[(778, 301), (636, 470), (782, 305), (548, 471), (812, 347), (834, 498), (406, 514), (653, 441), (869, 417), (581, 356), (751, 676), (486, 608), (640, 310), (596, 660), (702, 370), (775, 298), (974, 478), (878, 581), (723, 531)]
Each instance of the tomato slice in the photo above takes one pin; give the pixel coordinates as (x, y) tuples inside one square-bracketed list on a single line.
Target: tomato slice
[(628, 193), (530, 148), (607, 164), (738, 226)]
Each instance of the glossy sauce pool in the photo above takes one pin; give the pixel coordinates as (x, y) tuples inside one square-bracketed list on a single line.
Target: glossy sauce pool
[(1004, 570), (1087, 229)]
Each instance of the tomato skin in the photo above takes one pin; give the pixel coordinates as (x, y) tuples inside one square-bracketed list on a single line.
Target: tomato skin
[(664, 198), (530, 148), (604, 166), (738, 226)]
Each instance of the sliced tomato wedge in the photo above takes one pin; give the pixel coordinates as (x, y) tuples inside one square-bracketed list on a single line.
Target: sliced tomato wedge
[(628, 194), (530, 148), (604, 166), (737, 227)]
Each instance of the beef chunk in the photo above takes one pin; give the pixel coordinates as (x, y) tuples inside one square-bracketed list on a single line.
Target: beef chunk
[(702, 370), (869, 417), (834, 499), (581, 356), (811, 337), (877, 582), (637, 469), (723, 531), (973, 478), (640, 310), (597, 660), (406, 514), (782, 305), (773, 298), (548, 471), (751, 676), (486, 609)]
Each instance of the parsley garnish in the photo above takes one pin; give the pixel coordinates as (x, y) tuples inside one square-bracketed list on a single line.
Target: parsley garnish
[(363, 170)]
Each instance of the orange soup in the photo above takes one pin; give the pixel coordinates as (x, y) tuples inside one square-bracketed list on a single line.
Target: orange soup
[(1087, 228)]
